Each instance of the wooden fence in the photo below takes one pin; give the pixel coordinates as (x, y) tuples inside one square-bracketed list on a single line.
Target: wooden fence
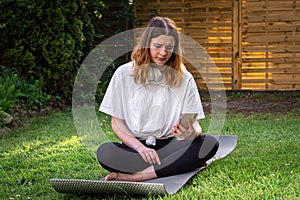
[(255, 44)]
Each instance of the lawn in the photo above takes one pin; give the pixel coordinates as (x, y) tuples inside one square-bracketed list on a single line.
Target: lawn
[(265, 164)]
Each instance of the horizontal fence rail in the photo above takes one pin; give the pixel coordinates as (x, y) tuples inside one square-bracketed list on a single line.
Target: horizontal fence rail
[(255, 44)]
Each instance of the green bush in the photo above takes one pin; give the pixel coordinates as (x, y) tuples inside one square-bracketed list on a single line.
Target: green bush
[(32, 95), (45, 40), (9, 93), (104, 81), (8, 96), (16, 91)]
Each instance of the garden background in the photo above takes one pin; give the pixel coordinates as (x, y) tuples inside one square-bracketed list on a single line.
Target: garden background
[(43, 43)]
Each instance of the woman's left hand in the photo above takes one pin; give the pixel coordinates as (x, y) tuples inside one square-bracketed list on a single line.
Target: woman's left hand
[(186, 133)]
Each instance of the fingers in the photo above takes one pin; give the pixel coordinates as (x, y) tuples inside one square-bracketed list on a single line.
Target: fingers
[(182, 132), (154, 158), (151, 157), (175, 129)]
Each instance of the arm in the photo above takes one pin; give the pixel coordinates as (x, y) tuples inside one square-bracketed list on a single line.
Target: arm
[(120, 129)]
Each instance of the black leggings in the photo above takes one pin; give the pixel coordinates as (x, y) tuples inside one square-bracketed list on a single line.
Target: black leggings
[(177, 156)]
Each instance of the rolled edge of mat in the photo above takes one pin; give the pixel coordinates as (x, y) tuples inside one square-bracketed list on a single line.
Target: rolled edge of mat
[(81, 186)]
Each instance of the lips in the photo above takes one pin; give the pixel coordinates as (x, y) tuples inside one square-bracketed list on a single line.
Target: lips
[(161, 59)]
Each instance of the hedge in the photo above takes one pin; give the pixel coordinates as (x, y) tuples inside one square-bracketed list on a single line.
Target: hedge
[(46, 40)]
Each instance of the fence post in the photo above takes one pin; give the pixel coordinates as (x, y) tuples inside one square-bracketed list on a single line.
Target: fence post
[(236, 46)]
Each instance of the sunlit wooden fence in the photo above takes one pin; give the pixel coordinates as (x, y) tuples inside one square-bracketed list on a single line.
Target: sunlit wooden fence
[(255, 44)]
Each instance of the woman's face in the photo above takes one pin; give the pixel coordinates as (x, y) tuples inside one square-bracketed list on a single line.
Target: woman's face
[(161, 49)]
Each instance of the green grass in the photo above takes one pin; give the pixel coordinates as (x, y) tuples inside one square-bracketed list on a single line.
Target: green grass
[(265, 164)]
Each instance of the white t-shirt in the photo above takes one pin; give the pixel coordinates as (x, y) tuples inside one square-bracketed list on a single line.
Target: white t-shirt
[(150, 109)]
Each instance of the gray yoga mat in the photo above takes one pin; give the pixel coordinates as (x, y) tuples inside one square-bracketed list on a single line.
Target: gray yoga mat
[(159, 186)]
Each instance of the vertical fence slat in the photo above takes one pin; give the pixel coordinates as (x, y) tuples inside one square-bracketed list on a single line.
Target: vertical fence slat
[(236, 47)]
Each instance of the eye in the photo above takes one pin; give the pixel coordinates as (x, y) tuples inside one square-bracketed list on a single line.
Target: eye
[(157, 46), (170, 48)]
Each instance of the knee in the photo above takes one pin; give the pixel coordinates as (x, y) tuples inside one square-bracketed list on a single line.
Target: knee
[(209, 146), (212, 140), (103, 152)]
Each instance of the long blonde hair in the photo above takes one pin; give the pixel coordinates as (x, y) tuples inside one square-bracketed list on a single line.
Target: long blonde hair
[(173, 74)]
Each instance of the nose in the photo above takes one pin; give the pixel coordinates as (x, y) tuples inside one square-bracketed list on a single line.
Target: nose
[(163, 51)]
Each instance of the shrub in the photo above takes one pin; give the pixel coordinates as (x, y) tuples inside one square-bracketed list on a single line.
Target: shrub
[(104, 81), (9, 93), (15, 90), (8, 96), (32, 95), (45, 40)]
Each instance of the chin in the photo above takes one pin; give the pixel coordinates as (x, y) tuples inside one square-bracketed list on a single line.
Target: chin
[(160, 63)]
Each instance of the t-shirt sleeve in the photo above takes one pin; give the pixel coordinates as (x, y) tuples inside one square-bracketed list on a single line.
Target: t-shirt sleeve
[(192, 102), (112, 100)]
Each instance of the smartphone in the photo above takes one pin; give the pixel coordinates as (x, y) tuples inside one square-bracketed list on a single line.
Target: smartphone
[(185, 119)]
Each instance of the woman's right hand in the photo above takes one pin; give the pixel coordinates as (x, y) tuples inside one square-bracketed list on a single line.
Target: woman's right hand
[(120, 129), (149, 155)]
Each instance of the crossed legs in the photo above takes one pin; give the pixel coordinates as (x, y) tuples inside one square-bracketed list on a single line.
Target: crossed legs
[(177, 157)]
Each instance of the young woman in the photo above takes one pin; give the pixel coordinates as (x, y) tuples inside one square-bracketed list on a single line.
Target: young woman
[(146, 99)]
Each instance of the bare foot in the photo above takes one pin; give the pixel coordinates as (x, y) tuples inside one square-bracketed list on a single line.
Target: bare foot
[(111, 176), (140, 176), (121, 177)]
